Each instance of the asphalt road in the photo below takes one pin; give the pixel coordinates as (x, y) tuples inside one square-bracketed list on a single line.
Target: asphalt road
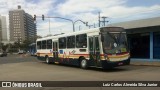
[(27, 68), (17, 58)]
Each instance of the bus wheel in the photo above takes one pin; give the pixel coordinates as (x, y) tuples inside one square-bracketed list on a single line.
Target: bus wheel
[(84, 64), (47, 60)]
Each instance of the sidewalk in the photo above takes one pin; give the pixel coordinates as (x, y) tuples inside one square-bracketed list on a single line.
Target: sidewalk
[(146, 63)]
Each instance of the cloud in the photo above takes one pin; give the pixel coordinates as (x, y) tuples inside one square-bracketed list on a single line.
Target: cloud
[(55, 27), (29, 6), (109, 8), (81, 6), (86, 10), (45, 25), (124, 13), (39, 8), (118, 11)]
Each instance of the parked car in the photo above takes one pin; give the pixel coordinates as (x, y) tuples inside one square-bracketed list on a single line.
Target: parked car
[(2, 54), (21, 52)]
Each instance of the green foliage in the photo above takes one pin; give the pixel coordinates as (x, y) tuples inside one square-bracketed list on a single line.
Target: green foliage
[(17, 46), (4, 47)]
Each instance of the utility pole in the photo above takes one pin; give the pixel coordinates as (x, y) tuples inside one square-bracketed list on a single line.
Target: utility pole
[(99, 17), (49, 27), (104, 20)]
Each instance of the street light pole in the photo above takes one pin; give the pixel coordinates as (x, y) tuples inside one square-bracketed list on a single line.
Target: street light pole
[(73, 22), (49, 26), (64, 19), (94, 26), (77, 21)]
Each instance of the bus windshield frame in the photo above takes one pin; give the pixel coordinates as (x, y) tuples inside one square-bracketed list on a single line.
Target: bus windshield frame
[(114, 42)]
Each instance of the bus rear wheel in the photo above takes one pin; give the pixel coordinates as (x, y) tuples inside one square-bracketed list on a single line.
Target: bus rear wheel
[(84, 64)]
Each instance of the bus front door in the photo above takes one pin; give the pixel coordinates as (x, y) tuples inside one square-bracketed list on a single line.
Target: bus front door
[(55, 51), (94, 51)]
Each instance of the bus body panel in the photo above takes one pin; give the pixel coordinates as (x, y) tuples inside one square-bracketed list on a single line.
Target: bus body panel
[(93, 52)]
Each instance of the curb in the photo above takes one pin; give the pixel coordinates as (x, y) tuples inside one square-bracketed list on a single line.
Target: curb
[(144, 64)]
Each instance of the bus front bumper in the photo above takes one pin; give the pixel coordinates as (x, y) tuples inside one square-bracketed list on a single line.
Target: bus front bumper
[(108, 64)]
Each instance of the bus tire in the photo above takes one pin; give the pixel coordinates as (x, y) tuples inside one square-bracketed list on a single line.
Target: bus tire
[(47, 60), (84, 64)]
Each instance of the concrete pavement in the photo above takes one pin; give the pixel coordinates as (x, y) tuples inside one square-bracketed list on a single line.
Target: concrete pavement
[(145, 63), (27, 68)]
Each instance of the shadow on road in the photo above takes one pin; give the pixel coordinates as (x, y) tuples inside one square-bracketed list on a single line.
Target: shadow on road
[(116, 69)]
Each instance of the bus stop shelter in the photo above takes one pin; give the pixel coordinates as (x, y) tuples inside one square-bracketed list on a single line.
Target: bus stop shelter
[(143, 38)]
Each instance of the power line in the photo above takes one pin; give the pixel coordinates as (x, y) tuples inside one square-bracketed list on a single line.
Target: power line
[(124, 16), (133, 14)]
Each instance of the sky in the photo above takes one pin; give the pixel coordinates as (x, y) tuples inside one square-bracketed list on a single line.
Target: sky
[(85, 10)]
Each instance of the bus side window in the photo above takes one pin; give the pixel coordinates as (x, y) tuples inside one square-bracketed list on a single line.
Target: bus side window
[(44, 44), (71, 42), (39, 45), (49, 44), (81, 41), (62, 43)]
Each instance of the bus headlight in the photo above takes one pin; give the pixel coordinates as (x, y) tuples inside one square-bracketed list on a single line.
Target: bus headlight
[(106, 57)]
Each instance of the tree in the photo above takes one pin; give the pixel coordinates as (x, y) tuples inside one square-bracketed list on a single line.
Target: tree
[(26, 44), (38, 36), (4, 47)]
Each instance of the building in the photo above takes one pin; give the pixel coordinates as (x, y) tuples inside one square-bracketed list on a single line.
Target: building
[(17, 23), (3, 29), (144, 38), (0, 31), (22, 26), (31, 28)]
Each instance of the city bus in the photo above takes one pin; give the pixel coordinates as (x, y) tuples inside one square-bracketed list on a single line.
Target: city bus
[(104, 47)]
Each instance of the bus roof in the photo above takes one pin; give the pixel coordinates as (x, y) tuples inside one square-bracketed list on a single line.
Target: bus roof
[(69, 34), (75, 33)]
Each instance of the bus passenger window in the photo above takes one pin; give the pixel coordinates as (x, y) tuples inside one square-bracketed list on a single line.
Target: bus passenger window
[(71, 42), (81, 41), (39, 45), (44, 44), (49, 44), (62, 43)]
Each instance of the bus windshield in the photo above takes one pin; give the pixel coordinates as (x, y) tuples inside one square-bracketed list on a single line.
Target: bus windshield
[(114, 42)]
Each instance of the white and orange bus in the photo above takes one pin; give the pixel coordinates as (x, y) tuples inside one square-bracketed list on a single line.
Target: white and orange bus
[(104, 47)]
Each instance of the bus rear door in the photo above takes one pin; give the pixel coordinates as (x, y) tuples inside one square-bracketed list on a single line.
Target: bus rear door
[(55, 51)]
